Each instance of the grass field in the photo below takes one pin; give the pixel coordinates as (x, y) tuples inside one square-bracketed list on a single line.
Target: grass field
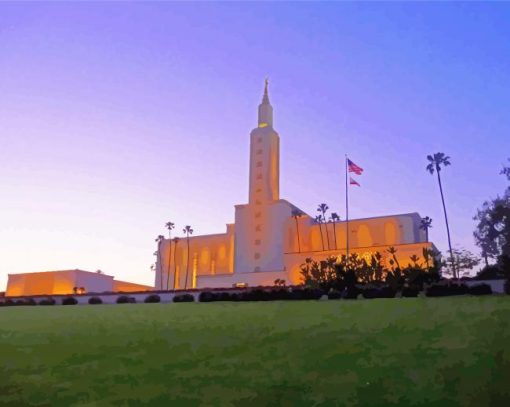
[(433, 352)]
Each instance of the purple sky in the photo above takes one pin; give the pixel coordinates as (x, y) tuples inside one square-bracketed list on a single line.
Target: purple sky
[(117, 117)]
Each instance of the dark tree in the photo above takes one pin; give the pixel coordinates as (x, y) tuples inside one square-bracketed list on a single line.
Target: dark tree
[(492, 233), (323, 208), (296, 214)]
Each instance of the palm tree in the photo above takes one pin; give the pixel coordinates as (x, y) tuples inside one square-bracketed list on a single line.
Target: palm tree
[(160, 239), (323, 208), (187, 229), (176, 240), (437, 161), (169, 226), (318, 219), (427, 255), (296, 213), (425, 224), (391, 250), (334, 218)]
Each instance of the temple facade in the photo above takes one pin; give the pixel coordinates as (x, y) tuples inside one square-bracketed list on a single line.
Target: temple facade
[(272, 237)]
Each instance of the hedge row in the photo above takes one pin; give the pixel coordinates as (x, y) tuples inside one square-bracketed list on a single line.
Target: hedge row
[(263, 295), (123, 299), (436, 290), (439, 290), (184, 298)]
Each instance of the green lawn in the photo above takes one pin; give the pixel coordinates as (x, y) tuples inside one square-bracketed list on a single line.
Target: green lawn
[(433, 352)]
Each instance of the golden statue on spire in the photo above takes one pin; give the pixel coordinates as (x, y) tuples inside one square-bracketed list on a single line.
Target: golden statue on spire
[(265, 99)]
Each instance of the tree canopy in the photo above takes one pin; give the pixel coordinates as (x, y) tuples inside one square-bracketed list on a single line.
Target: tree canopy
[(492, 233)]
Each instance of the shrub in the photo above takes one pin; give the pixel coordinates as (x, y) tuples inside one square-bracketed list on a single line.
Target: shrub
[(480, 289), (224, 296), (370, 293), (184, 298), (207, 296), (304, 294), (47, 301), (95, 300), (410, 292), (491, 272), (22, 302), (507, 286), (152, 298), (257, 295), (334, 295), (441, 290), (124, 299), (9, 303), (69, 301), (351, 293), (382, 292)]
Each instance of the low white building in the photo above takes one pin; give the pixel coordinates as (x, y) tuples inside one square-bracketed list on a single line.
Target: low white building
[(66, 282)]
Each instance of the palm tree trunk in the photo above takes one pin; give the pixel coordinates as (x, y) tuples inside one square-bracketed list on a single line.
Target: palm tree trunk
[(175, 265), (447, 226), (297, 231), (187, 265), (322, 237), (169, 263), (326, 226), (334, 232), (160, 266)]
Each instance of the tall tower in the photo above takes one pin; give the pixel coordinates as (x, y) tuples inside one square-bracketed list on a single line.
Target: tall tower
[(264, 156), (259, 224)]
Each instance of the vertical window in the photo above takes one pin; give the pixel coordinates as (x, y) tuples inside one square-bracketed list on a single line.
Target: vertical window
[(177, 281), (194, 273)]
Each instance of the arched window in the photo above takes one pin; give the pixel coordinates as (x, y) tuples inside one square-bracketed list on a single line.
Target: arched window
[(364, 236), (390, 233)]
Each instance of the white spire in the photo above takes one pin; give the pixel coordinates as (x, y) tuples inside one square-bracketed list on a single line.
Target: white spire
[(265, 109)]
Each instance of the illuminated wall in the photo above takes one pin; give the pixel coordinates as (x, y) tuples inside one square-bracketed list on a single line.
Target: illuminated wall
[(213, 254), (129, 287), (377, 231), (64, 281)]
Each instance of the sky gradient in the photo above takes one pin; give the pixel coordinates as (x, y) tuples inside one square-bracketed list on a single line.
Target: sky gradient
[(118, 117)]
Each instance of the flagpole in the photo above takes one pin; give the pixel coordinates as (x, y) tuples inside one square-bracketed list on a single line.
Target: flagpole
[(346, 214)]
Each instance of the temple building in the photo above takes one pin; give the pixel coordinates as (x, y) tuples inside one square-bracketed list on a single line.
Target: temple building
[(268, 241)]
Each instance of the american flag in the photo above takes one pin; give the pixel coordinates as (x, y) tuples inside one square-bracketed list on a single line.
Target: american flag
[(354, 168), (353, 182)]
